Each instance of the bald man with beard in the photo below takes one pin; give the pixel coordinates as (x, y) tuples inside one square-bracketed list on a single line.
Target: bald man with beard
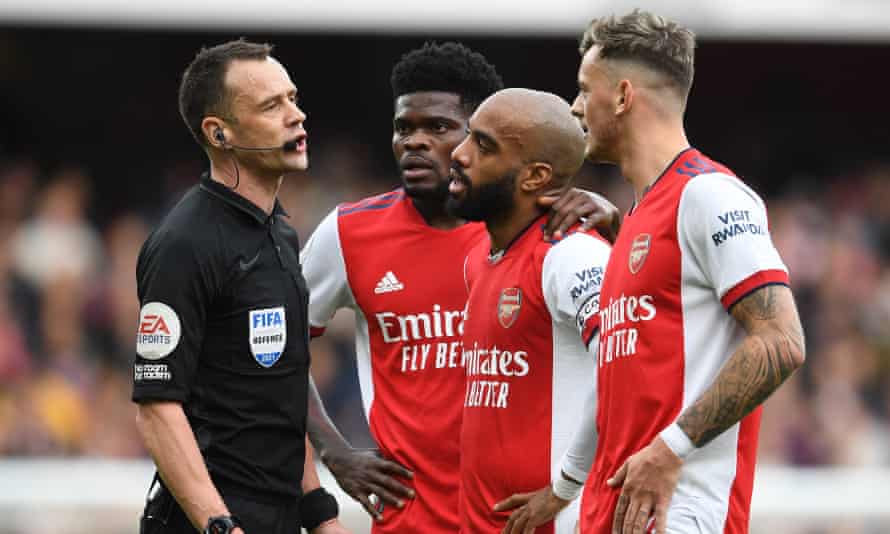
[(532, 310)]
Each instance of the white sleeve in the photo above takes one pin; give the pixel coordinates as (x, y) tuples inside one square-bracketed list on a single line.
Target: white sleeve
[(325, 272), (571, 280), (578, 457), (722, 226)]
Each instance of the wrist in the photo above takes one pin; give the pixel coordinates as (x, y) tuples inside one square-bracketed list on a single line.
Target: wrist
[(677, 441), (221, 524), (324, 524), (317, 508), (329, 452), (566, 488)]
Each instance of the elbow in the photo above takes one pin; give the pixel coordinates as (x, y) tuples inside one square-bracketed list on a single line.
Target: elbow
[(144, 422), (798, 358), (795, 350), (152, 418), (795, 361), (799, 355)]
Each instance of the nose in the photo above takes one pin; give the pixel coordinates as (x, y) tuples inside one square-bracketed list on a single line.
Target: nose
[(297, 115), (416, 141), (578, 106), (460, 154)]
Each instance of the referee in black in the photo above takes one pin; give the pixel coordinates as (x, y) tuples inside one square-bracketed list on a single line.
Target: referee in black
[(222, 369)]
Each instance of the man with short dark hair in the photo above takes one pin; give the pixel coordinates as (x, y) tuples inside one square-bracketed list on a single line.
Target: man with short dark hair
[(222, 362), (698, 322), (397, 260)]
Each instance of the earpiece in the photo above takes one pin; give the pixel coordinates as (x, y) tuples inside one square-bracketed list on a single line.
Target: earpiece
[(219, 136)]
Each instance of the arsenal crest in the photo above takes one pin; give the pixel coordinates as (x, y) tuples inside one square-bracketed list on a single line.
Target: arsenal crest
[(508, 306), (639, 249)]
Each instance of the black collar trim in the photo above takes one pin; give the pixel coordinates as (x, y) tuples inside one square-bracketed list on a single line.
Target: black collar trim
[(237, 201)]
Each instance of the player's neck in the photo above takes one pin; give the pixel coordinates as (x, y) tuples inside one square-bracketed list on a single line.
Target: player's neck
[(260, 190), (434, 213), (648, 156), (504, 230)]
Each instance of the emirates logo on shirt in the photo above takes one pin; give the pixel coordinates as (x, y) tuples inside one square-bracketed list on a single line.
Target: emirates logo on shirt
[(639, 249), (508, 306)]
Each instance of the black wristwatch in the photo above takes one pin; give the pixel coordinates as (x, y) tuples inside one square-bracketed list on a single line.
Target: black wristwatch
[(223, 524)]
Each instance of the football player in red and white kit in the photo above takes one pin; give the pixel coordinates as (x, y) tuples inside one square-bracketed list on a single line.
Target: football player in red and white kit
[(532, 307), (698, 324), (397, 260)]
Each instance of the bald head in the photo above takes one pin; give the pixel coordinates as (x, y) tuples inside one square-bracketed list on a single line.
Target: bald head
[(542, 126)]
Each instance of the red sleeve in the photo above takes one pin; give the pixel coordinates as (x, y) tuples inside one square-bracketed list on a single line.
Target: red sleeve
[(316, 331), (753, 283)]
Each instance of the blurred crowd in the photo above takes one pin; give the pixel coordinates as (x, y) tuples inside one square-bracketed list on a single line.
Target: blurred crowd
[(68, 308)]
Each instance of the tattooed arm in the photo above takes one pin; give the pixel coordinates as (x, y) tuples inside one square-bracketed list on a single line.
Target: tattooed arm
[(772, 350)]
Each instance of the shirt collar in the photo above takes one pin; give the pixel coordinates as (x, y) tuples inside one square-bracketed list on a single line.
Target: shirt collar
[(237, 201)]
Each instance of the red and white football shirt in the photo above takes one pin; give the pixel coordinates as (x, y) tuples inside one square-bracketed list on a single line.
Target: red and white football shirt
[(404, 279), (696, 244), (530, 314)]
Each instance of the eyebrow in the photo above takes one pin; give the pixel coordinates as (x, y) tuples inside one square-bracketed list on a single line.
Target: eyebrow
[(405, 118)]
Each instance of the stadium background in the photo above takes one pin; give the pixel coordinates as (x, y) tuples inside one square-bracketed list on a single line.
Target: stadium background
[(93, 152)]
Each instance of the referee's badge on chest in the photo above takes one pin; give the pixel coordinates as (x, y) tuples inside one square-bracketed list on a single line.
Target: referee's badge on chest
[(268, 334)]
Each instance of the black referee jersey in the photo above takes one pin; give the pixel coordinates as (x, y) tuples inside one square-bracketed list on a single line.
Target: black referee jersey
[(223, 329)]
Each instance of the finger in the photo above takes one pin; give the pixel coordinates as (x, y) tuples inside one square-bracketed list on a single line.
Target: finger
[(557, 213), (512, 501), (618, 478), (554, 221), (391, 485), (508, 527), (387, 496), (366, 504), (531, 523), (573, 213), (642, 519), (620, 509), (393, 468), (521, 522), (630, 517), (548, 199), (597, 220), (638, 515), (661, 518)]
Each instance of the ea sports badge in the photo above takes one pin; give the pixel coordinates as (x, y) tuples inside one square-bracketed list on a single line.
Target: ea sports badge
[(158, 332), (268, 335), (639, 249), (509, 305)]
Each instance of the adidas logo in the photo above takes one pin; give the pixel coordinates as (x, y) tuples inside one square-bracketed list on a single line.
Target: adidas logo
[(388, 284)]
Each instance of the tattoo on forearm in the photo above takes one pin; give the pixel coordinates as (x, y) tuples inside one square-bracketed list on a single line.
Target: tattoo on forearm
[(759, 366), (761, 305)]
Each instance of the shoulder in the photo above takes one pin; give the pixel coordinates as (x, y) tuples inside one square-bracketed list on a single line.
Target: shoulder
[(477, 257), (184, 235), (371, 205), (576, 246), (714, 186), (718, 197)]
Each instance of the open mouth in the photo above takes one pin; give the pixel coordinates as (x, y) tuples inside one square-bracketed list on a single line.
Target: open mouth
[(459, 183), (298, 143)]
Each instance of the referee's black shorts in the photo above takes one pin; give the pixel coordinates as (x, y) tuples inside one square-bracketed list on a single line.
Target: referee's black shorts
[(162, 515)]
